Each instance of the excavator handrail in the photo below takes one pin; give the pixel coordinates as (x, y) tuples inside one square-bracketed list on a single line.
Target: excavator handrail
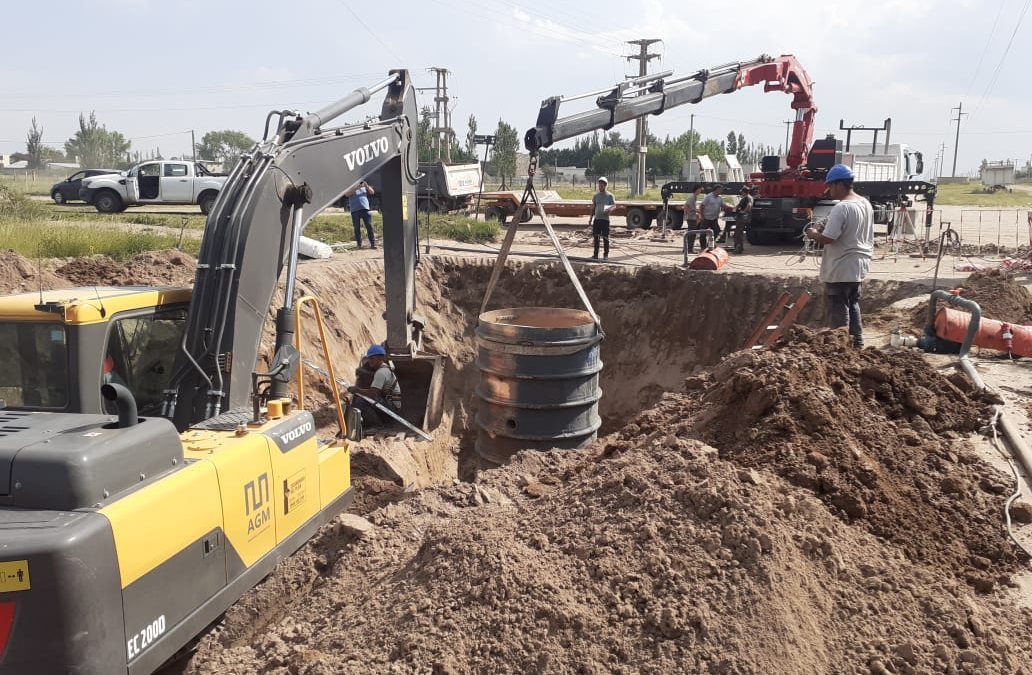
[(317, 310)]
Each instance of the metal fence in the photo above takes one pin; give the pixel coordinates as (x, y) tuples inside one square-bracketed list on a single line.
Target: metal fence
[(1002, 228)]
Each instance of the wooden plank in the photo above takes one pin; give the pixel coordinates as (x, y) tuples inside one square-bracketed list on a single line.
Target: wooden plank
[(793, 313), (767, 319)]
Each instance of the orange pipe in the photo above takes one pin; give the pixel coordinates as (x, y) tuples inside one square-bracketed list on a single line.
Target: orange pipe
[(952, 324), (711, 259)]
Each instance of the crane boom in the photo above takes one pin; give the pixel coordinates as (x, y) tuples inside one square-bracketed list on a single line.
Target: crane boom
[(654, 94)]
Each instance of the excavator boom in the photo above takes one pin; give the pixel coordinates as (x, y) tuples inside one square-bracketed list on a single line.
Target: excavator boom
[(252, 231)]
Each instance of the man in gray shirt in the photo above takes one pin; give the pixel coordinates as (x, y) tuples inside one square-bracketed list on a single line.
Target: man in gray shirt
[(712, 205), (602, 203), (692, 221), (848, 240)]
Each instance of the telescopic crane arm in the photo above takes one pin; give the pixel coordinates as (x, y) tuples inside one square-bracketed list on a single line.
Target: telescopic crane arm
[(654, 94), (252, 234)]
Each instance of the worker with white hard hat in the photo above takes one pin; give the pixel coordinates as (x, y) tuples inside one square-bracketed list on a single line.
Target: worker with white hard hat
[(602, 203), (848, 239)]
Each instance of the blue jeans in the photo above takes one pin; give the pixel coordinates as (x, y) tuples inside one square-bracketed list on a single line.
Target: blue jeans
[(356, 219), (843, 300)]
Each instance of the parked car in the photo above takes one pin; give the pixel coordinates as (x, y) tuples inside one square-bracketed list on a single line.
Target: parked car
[(68, 189), (154, 182)]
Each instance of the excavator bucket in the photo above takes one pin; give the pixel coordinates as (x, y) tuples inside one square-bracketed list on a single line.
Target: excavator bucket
[(421, 378)]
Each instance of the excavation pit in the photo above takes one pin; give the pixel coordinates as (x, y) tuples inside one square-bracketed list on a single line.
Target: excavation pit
[(661, 325)]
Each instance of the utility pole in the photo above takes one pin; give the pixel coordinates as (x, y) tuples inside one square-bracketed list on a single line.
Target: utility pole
[(442, 115), (193, 145), (641, 126), (956, 143)]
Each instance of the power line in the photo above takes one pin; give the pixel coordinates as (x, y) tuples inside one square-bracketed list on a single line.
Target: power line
[(1003, 58), (370, 30), (985, 49), (567, 35), (227, 88)]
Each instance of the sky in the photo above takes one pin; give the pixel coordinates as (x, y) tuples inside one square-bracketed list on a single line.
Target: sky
[(155, 69)]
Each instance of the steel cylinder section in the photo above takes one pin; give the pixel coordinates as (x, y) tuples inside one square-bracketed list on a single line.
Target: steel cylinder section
[(952, 324), (710, 259), (539, 370)]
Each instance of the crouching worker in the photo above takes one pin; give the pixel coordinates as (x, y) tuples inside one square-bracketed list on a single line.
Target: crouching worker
[(382, 387)]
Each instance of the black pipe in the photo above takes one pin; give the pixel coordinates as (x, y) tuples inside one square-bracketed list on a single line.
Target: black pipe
[(969, 338), (124, 401)]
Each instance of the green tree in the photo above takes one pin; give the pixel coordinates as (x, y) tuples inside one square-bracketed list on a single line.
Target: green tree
[(95, 146), (741, 143), (224, 146), (471, 147), (425, 138), (665, 159), (712, 148), (34, 147), (504, 152), (610, 161), (614, 139), (686, 142), (732, 143)]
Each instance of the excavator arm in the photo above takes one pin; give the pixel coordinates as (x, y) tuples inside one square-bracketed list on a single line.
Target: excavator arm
[(654, 94), (252, 234)]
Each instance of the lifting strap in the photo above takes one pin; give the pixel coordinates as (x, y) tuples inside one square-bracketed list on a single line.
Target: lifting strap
[(530, 195)]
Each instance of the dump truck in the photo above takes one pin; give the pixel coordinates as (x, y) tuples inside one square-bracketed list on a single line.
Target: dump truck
[(448, 188)]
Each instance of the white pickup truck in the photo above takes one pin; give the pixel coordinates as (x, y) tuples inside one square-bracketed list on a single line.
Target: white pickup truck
[(155, 182)]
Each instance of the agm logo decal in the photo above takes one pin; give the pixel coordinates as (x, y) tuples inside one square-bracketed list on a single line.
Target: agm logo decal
[(369, 151), (256, 503)]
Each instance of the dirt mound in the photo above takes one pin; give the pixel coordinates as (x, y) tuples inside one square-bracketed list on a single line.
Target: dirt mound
[(997, 293), (683, 320), (19, 274), (156, 268), (875, 435), (808, 509), (651, 556)]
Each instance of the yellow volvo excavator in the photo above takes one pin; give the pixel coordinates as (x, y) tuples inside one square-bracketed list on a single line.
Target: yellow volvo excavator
[(149, 473)]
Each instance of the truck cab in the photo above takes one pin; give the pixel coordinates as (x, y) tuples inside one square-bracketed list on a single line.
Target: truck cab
[(154, 182), (172, 182)]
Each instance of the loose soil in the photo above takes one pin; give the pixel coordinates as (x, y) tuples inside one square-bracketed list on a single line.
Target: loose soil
[(806, 509), (654, 552), (156, 268), (18, 274)]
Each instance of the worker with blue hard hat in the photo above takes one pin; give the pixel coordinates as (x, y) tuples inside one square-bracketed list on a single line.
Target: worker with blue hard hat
[(848, 238), (381, 386)]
